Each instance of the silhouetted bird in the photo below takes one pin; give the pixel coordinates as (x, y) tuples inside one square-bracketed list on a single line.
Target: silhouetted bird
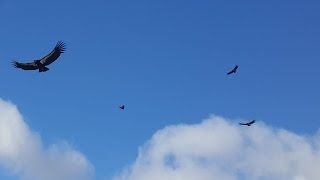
[(234, 70), (43, 62), (248, 123), (121, 107)]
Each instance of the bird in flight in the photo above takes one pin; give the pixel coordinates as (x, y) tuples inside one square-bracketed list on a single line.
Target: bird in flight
[(43, 62), (234, 70), (121, 107), (248, 123)]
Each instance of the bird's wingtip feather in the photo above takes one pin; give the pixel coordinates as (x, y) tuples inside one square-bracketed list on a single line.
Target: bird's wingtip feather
[(61, 46), (15, 64)]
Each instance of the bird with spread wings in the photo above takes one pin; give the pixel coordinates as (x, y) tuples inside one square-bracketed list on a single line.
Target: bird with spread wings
[(43, 62), (234, 70), (248, 123)]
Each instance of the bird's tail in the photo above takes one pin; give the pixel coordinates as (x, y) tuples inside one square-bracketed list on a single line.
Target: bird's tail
[(43, 69)]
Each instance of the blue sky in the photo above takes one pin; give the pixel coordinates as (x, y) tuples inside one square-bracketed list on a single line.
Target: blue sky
[(166, 61)]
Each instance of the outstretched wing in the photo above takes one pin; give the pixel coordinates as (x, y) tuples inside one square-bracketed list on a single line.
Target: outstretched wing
[(25, 66), (230, 72), (243, 123), (54, 54), (235, 68), (251, 122)]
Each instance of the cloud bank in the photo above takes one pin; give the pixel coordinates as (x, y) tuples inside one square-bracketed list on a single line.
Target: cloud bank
[(22, 153), (219, 149)]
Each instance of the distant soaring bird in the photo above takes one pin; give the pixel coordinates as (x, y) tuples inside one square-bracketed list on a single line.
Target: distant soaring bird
[(43, 62), (121, 107), (248, 123), (234, 70)]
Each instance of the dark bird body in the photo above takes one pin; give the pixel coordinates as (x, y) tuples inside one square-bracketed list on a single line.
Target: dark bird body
[(43, 62), (234, 70), (121, 107), (248, 123)]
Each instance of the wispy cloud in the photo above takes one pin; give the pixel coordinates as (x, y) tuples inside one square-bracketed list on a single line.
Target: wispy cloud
[(221, 149), (22, 152)]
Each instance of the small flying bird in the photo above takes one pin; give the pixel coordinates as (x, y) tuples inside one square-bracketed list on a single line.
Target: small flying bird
[(234, 70), (43, 62), (248, 123), (121, 107)]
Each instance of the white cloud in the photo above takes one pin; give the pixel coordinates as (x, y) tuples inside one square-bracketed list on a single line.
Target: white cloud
[(22, 153), (220, 149)]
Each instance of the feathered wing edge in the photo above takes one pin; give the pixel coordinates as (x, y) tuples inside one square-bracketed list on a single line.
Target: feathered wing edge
[(60, 46), (24, 66), (15, 64), (54, 54)]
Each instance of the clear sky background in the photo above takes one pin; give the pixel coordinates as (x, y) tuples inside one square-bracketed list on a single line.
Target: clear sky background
[(166, 61)]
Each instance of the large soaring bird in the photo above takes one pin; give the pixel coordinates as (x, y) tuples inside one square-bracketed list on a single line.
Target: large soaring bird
[(248, 123), (234, 70), (43, 62)]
